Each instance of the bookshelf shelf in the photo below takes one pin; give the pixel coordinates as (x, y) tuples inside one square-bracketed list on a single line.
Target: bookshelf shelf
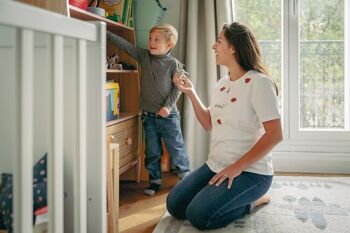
[(113, 26), (122, 71), (122, 117)]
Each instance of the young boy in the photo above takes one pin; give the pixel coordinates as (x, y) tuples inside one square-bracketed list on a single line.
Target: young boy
[(160, 116)]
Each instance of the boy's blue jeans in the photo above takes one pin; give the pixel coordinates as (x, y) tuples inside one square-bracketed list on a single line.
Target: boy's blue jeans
[(208, 206), (168, 129)]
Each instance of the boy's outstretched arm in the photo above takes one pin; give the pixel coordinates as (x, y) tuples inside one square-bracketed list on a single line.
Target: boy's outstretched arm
[(123, 44)]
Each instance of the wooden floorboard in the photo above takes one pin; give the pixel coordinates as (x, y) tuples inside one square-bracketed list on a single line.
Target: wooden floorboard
[(139, 213)]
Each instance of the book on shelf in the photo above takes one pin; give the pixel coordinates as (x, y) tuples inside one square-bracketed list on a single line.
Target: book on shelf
[(125, 9), (112, 100), (127, 13), (130, 22)]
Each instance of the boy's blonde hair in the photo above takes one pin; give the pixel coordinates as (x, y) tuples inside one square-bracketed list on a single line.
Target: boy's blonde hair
[(169, 30)]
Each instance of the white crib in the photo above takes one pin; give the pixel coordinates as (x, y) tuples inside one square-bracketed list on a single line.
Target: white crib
[(52, 74)]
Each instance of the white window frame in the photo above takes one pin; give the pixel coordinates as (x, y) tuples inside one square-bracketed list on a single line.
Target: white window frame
[(347, 62), (308, 150), (290, 80)]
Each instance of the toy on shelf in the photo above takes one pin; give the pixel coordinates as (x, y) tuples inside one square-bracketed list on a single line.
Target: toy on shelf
[(93, 7), (115, 17), (113, 9), (113, 62)]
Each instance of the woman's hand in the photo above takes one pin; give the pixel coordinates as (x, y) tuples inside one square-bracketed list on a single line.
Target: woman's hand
[(182, 83), (229, 173)]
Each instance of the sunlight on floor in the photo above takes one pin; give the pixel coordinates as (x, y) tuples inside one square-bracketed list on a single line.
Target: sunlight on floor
[(146, 216)]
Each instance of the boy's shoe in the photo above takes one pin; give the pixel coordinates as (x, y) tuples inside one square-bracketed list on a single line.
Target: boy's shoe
[(152, 189)]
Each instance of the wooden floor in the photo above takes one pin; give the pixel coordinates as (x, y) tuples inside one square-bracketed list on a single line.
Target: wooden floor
[(139, 213)]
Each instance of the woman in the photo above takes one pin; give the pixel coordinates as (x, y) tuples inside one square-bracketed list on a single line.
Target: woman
[(245, 124)]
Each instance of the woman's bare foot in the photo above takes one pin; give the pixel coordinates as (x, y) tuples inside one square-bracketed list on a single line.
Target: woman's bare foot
[(261, 201)]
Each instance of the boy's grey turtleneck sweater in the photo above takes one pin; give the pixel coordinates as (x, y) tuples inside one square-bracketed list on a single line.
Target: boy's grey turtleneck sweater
[(157, 71)]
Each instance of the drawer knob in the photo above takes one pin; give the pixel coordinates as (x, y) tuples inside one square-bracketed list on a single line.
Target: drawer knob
[(129, 141)]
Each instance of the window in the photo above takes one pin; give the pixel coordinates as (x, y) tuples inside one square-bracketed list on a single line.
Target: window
[(321, 70), (305, 46)]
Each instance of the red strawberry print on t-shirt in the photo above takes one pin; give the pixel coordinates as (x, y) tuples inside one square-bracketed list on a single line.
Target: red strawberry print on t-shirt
[(233, 99), (222, 88), (218, 121), (247, 80)]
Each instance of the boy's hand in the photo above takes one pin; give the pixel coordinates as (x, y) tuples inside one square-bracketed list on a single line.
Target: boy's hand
[(182, 83), (164, 112)]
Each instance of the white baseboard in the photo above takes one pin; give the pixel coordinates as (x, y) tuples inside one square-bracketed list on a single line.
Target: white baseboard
[(310, 162)]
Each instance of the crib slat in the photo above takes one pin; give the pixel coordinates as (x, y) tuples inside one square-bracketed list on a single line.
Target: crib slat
[(55, 186), (80, 199), (23, 176), (96, 137)]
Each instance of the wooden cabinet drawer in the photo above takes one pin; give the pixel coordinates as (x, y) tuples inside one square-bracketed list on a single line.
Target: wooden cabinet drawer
[(126, 134)]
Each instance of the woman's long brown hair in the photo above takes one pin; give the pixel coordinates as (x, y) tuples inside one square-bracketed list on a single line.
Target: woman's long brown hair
[(248, 53)]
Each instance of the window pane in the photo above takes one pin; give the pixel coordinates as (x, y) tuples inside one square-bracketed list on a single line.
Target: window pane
[(321, 74), (264, 18)]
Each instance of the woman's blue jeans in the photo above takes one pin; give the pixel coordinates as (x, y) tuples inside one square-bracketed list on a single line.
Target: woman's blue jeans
[(208, 206), (168, 129)]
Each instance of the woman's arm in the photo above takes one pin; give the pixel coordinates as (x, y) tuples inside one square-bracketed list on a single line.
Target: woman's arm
[(271, 137), (202, 112)]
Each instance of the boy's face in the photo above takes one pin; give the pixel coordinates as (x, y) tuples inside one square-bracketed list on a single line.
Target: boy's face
[(157, 43)]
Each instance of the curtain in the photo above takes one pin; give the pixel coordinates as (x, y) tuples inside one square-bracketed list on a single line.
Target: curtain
[(201, 20)]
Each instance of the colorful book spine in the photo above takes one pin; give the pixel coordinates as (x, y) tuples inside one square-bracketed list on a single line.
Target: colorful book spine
[(112, 101), (125, 12), (130, 17)]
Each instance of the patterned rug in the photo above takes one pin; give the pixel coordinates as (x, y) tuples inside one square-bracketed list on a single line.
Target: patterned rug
[(299, 205)]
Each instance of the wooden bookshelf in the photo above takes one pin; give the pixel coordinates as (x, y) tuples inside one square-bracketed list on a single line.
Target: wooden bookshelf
[(128, 80), (126, 130)]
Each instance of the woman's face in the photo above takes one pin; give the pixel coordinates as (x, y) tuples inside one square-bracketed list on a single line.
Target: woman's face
[(224, 52)]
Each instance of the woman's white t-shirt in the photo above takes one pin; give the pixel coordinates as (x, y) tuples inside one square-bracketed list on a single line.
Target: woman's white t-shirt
[(238, 109)]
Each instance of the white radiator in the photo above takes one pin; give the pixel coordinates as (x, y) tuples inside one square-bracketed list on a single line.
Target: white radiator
[(52, 75)]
